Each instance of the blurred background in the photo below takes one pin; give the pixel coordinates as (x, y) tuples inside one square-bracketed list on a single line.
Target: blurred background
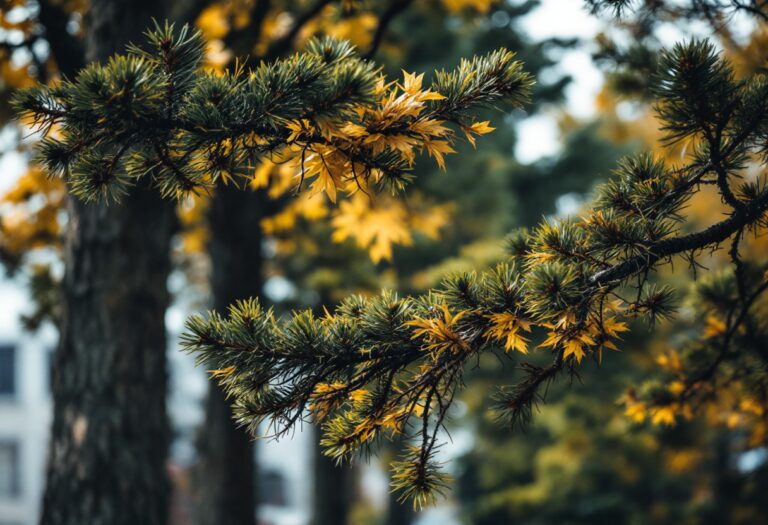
[(583, 460)]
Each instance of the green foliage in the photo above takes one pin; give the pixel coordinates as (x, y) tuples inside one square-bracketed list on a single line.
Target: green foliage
[(154, 115), (384, 366), (573, 280)]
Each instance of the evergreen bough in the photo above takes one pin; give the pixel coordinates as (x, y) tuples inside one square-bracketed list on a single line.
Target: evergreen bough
[(379, 366)]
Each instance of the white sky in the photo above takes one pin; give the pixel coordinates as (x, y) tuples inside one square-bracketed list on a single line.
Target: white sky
[(539, 136)]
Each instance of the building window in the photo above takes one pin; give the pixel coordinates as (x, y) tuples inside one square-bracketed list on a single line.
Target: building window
[(7, 370), (272, 489), (50, 362), (9, 469)]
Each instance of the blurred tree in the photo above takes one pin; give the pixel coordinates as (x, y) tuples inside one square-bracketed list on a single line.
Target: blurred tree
[(110, 430)]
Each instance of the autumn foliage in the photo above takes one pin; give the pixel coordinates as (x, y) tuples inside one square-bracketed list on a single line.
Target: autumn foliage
[(329, 123)]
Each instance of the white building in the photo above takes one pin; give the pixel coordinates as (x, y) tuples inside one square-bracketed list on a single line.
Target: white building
[(25, 410)]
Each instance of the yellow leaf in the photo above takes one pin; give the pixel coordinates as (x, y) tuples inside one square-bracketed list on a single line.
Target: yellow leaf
[(439, 333), (575, 348), (612, 327), (481, 128), (636, 412), (412, 82), (505, 327), (481, 6), (664, 415), (261, 175), (427, 127), (714, 327), (212, 22), (353, 130), (430, 95), (436, 149), (478, 128), (376, 229), (222, 373)]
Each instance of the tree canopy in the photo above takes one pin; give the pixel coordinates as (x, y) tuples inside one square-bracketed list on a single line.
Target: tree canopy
[(375, 367)]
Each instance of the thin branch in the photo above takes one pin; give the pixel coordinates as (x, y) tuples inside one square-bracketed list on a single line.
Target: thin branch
[(385, 20), (715, 234), (284, 44)]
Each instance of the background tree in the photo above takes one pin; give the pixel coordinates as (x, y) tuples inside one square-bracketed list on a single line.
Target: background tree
[(109, 378)]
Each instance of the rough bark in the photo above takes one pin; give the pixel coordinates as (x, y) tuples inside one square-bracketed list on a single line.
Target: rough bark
[(110, 429), (333, 489), (228, 469), (399, 513)]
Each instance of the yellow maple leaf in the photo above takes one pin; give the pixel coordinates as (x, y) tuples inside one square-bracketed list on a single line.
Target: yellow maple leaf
[(436, 149), (715, 327), (375, 228), (506, 327), (261, 175), (353, 130), (412, 82), (481, 6), (664, 415), (575, 348), (431, 220), (612, 327), (427, 127), (213, 22), (439, 333), (636, 412), (327, 169), (478, 128), (573, 343)]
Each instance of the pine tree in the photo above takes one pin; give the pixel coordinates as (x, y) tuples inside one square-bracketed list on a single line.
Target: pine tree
[(387, 365), (109, 378)]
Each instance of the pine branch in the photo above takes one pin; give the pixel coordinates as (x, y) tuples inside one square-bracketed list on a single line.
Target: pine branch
[(386, 365), (325, 109)]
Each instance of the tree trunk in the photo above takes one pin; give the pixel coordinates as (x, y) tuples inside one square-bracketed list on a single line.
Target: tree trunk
[(399, 513), (228, 469), (333, 488), (110, 429)]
